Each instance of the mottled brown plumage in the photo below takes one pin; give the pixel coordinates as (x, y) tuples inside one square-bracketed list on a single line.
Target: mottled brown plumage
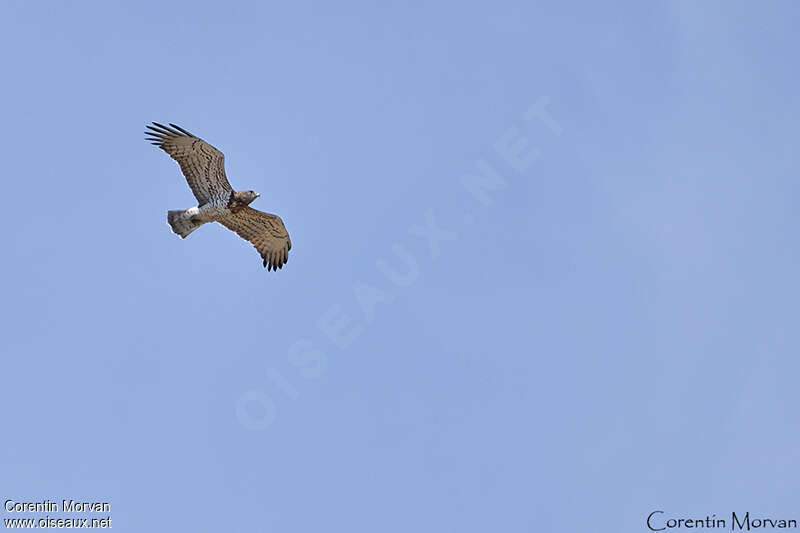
[(265, 231), (204, 169)]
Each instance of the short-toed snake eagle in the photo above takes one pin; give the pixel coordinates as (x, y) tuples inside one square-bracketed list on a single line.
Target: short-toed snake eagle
[(204, 169)]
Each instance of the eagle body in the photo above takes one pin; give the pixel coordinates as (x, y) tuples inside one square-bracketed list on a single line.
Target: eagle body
[(185, 221), (211, 213), (203, 166)]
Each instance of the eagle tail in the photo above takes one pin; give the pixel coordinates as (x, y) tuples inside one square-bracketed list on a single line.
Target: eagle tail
[(182, 224)]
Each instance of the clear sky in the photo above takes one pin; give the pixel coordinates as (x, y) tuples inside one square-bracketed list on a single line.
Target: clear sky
[(543, 274)]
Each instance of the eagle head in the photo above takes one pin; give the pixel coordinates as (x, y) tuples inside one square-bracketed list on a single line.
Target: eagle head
[(240, 199), (248, 196)]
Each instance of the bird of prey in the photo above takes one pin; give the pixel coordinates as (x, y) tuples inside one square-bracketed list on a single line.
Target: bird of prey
[(204, 169)]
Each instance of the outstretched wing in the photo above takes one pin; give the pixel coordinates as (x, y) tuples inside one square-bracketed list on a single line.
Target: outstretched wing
[(202, 164), (265, 231)]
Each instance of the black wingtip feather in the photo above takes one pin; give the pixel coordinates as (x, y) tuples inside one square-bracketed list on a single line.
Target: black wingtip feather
[(159, 133), (162, 133), (181, 130), (166, 129)]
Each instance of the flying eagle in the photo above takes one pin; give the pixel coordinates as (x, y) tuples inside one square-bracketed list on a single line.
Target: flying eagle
[(204, 169)]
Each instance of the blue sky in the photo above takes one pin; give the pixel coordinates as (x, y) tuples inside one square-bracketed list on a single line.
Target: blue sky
[(542, 277)]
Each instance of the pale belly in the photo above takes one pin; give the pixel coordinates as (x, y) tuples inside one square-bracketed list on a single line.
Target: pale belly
[(207, 213)]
